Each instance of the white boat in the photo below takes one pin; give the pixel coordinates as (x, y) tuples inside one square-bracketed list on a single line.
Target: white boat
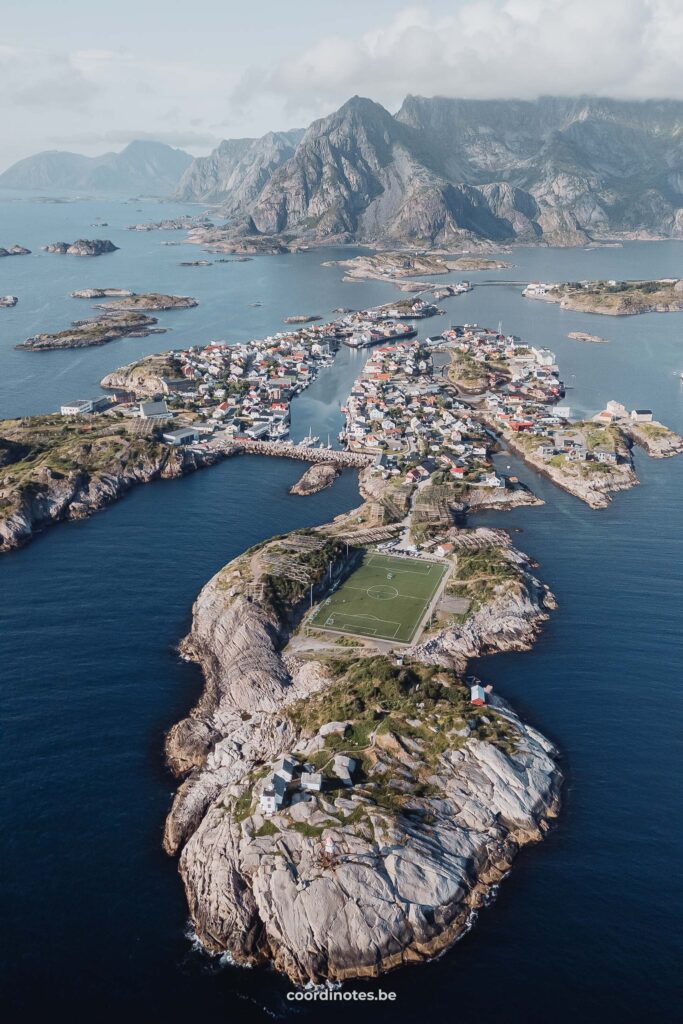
[(309, 440)]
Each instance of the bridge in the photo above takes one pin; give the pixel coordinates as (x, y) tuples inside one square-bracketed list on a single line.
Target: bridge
[(500, 283), (304, 453)]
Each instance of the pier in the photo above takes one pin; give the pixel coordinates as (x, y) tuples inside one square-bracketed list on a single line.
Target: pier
[(304, 453)]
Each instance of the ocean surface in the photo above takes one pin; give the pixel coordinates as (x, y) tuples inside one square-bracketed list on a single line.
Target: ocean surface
[(94, 922)]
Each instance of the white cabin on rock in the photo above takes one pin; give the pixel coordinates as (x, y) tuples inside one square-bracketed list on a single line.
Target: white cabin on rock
[(273, 795)]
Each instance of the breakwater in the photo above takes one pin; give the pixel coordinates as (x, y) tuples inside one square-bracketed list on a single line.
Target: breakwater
[(304, 453)]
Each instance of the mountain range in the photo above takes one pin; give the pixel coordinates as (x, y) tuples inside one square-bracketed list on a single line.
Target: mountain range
[(449, 171), (151, 168), (439, 172)]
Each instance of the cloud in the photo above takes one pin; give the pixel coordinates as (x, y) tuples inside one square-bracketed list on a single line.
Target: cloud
[(489, 49), (43, 79), (125, 135)]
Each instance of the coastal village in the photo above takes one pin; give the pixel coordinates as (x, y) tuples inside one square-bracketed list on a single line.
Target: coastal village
[(433, 408), (245, 389)]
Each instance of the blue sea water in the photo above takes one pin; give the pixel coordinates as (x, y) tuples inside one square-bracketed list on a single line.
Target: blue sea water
[(587, 926)]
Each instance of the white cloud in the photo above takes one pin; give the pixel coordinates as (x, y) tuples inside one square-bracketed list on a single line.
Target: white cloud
[(488, 49), (33, 78)]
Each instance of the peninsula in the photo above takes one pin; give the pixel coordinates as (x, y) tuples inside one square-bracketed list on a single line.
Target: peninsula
[(347, 804), (514, 389), (612, 298), (54, 468)]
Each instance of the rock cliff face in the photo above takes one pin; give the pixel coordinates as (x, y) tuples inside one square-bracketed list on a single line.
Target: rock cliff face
[(76, 495), (448, 172), (402, 890), (237, 170), (409, 866)]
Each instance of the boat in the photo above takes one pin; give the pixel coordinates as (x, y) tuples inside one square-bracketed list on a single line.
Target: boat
[(309, 440)]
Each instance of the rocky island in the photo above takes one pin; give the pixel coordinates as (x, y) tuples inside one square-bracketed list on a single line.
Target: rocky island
[(595, 339), (397, 266), (316, 478), (612, 298), (153, 301), (102, 293), (405, 794), (15, 250), (97, 331), (7, 301), (82, 247)]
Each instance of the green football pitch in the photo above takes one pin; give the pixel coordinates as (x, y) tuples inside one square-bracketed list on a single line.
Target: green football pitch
[(386, 597)]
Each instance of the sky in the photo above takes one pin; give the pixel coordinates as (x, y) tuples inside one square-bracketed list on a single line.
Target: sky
[(91, 77)]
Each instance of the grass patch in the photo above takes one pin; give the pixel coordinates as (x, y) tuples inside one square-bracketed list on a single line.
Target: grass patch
[(268, 828)]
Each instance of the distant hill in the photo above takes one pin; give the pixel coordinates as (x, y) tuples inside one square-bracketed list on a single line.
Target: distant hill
[(446, 171), (152, 168)]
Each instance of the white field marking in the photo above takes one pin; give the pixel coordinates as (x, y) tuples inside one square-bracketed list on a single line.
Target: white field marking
[(406, 597), (334, 624), (382, 597), (393, 568)]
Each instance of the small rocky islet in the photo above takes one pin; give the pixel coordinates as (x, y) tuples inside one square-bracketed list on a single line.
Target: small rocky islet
[(14, 250), (124, 316), (316, 478), (82, 247)]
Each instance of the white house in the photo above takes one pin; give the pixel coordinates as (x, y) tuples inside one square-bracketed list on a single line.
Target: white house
[(78, 408), (273, 795), (641, 415)]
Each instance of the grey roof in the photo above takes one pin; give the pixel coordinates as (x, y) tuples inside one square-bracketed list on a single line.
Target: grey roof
[(278, 784), (181, 432), (153, 408)]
